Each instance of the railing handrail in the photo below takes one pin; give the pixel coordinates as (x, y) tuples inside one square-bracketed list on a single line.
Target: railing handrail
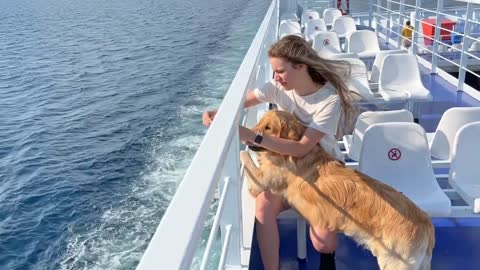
[(174, 243)]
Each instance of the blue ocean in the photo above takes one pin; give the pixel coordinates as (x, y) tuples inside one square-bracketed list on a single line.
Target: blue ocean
[(100, 115)]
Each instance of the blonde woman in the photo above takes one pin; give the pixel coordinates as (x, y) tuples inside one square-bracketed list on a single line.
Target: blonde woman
[(313, 89)]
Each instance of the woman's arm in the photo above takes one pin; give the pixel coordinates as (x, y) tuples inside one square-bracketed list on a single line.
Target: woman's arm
[(284, 146), (250, 100)]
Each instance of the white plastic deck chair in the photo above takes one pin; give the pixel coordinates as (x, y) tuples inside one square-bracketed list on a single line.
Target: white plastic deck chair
[(358, 80), (353, 142), (442, 140), (288, 28), (326, 43), (289, 16), (309, 15), (344, 25), (363, 42), (475, 47), (339, 56), (312, 27), (397, 155), (456, 47), (400, 79), (377, 63), (464, 169), (330, 14)]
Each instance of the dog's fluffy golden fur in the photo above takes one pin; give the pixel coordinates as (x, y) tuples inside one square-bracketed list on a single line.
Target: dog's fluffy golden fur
[(331, 196)]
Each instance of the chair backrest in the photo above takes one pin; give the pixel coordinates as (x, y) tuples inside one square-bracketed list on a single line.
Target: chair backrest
[(314, 26), (289, 16), (309, 15), (464, 168), (288, 27), (475, 47), (363, 41), (326, 43), (358, 80), (377, 63), (367, 119), (339, 56), (397, 155), (330, 14), (344, 25), (456, 47), (452, 120), (399, 69)]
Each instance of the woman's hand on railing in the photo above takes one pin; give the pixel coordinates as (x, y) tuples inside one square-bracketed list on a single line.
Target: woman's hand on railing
[(208, 116)]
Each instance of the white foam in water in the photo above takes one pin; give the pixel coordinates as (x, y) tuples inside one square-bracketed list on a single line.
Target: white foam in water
[(118, 240)]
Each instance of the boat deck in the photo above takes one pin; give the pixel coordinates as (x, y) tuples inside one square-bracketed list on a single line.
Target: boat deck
[(465, 231)]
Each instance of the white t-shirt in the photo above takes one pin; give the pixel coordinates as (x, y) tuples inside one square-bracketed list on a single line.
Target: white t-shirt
[(320, 110)]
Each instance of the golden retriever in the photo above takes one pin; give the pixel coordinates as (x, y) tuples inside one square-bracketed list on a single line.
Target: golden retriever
[(331, 196)]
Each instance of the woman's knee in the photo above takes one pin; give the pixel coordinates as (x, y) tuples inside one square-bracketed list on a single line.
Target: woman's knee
[(323, 241), (268, 206)]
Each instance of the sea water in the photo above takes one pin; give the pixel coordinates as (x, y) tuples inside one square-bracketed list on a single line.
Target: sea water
[(100, 115)]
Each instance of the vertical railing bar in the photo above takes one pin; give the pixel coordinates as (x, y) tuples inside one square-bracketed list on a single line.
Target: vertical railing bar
[(418, 3), (401, 20), (216, 221), (389, 19), (377, 23), (226, 242), (438, 27), (466, 43), (370, 13)]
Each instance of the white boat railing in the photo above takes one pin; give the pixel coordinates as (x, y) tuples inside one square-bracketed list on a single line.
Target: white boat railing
[(216, 163), (388, 24)]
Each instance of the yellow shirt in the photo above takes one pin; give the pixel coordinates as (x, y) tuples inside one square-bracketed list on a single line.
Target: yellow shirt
[(407, 31)]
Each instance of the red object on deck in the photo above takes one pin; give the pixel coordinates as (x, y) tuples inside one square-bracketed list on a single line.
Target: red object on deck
[(429, 30)]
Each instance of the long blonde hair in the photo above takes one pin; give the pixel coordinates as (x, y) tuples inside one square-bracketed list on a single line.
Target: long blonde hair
[(297, 51)]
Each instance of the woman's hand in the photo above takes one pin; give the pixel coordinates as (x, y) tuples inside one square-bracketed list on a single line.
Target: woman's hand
[(208, 116), (246, 135)]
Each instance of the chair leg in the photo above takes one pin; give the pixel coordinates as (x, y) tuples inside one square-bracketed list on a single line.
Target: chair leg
[(301, 239)]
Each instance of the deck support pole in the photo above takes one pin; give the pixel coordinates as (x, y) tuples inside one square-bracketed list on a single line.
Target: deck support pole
[(416, 23), (438, 37), (466, 44), (389, 20)]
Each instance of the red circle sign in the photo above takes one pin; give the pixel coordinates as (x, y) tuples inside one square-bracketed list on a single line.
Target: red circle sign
[(394, 154)]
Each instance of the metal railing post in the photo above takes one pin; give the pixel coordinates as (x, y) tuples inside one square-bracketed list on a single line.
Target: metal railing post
[(233, 203), (377, 22), (370, 12), (389, 19), (401, 10), (418, 3), (465, 46), (437, 37)]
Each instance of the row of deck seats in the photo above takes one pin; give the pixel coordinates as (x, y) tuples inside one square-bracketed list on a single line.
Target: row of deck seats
[(390, 147), (394, 72), (341, 25), (399, 82), (440, 142)]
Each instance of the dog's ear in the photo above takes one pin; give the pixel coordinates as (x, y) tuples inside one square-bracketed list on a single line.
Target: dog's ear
[(295, 130)]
